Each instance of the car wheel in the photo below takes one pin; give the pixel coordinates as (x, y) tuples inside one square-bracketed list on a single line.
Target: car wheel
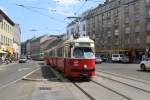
[(143, 68)]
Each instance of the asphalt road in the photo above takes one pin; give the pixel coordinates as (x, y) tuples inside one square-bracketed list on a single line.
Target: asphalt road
[(131, 70), (13, 88), (13, 72)]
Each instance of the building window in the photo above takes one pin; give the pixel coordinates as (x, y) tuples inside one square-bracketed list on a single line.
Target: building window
[(126, 19), (147, 13), (4, 40), (1, 39), (148, 39), (83, 27), (138, 40), (136, 7), (126, 9), (147, 1), (127, 28), (116, 32), (148, 26), (2, 26), (137, 28)]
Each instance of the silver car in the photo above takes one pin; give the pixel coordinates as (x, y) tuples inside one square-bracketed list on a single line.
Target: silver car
[(124, 59), (98, 60), (23, 60), (145, 64)]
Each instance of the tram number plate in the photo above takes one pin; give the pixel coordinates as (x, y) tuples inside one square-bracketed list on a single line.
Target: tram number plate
[(84, 74)]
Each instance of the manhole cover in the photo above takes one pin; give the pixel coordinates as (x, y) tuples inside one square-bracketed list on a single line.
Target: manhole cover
[(44, 88)]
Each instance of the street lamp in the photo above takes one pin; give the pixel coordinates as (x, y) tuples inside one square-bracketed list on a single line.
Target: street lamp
[(33, 30), (77, 20)]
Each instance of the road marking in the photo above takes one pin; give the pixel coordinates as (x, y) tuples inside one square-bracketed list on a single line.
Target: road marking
[(7, 65), (18, 79), (19, 97), (22, 69), (1, 68)]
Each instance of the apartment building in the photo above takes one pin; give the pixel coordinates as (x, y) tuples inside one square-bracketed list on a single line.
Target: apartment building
[(6, 31), (120, 26), (9, 34)]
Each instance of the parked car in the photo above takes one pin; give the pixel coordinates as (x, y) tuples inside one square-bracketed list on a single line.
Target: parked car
[(117, 57), (145, 64), (98, 60), (124, 59), (22, 60)]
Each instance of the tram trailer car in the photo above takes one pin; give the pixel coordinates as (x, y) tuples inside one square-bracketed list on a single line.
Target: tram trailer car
[(74, 57)]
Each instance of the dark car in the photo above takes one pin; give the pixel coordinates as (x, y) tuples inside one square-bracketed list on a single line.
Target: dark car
[(124, 59), (23, 60)]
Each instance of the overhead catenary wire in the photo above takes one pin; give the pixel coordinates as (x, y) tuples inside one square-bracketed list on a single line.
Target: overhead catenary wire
[(36, 11), (80, 7)]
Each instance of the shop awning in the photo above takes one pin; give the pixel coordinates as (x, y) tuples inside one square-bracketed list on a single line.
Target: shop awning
[(1, 51), (10, 50)]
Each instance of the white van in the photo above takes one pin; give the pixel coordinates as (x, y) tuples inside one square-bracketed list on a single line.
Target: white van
[(117, 57)]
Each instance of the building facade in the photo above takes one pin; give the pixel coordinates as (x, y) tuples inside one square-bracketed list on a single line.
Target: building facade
[(9, 36), (120, 26), (17, 41)]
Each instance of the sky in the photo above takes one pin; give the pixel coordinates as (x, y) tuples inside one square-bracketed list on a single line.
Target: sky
[(40, 17)]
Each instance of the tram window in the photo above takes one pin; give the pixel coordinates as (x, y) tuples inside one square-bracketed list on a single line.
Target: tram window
[(83, 52)]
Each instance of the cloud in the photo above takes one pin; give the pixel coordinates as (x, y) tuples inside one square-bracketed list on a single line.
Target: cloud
[(24, 1), (67, 2), (63, 7), (60, 10), (3, 9)]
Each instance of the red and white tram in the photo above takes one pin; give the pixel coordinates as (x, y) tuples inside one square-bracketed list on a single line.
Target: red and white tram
[(74, 57)]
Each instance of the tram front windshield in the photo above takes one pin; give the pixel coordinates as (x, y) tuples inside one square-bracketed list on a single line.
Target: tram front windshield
[(83, 52)]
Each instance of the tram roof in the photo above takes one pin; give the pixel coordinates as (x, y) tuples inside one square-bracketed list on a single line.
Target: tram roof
[(81, 39)]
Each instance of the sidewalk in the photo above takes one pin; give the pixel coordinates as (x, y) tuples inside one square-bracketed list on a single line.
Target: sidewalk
[(5, 64)]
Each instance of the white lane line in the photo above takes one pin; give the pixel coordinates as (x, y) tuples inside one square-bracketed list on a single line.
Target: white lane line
[(1, 69), (18, 79), (22, 69), (7, 65), (20, 97)]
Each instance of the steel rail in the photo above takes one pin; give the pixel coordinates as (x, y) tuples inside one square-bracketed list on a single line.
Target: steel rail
[(124, 83), (123, 77), (82, 90), (128, 98)]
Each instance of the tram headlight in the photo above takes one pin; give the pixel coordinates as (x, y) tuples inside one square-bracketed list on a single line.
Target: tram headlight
[(85, 66)]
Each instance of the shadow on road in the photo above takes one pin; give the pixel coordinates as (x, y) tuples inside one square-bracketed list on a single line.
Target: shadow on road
[(147, 71), (47, 73)]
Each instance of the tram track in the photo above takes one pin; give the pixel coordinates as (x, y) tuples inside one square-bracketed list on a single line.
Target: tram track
[(83, 91), (125, 77), (78, 85), (125, 83), (126, 97), (127, 90)]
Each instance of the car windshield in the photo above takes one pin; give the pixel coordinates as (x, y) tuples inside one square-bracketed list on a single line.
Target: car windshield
[(122, 55), (115, 55), (148, 59), (83, 52), (23, 58)]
